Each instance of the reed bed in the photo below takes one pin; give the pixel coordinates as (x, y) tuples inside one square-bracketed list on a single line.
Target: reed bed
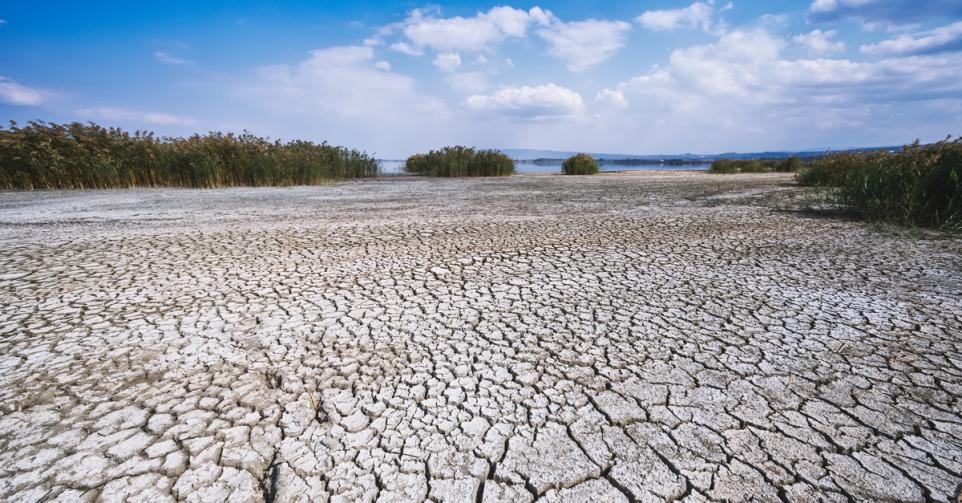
[(46, 155), (728, 166), (920, 185), (460, 161), (579, 164)]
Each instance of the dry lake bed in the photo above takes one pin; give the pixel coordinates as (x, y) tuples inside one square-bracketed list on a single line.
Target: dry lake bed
[(625, 337)]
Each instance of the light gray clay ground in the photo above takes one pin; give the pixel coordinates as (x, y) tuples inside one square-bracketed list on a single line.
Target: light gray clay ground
[(612, 338)]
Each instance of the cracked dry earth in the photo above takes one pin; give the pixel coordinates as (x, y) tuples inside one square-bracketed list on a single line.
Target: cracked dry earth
[(612, 338)]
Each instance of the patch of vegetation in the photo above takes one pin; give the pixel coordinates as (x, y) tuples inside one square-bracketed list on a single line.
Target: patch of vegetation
[(728, 166), (831, 170), (579, 164), (45, 155), (460, 161), (919, 185)]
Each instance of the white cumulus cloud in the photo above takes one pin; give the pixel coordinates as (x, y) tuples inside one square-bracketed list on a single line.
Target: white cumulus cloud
[(405, 48), (344, 94), (613, 97), (532, 102), (742, 89), (344, 80), (819, 41), (699, 15), (448, 61), (477, 33), (582, 44)]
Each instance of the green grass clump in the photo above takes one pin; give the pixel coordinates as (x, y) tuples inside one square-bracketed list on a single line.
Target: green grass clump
[(460, 161), (729, 166), (580, 164), (918, 185), (43, 155)]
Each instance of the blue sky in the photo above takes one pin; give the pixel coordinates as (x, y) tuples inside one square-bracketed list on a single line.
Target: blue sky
[(399, 77)]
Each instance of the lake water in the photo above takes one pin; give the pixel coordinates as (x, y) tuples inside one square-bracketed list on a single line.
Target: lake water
[(397, 167)]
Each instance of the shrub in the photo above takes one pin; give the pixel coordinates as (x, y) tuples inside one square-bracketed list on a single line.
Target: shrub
[(45, 155), (460, 161), (919, 185), (580, 164)]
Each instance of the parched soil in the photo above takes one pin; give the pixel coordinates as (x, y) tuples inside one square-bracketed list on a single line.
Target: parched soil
[(627, 337)]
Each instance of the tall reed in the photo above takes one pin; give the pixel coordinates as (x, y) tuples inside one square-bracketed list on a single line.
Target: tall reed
[(918, 185), (460, 161), (46, 155)]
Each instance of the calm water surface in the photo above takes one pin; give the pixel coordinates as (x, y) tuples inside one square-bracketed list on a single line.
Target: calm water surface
[(397, 167)]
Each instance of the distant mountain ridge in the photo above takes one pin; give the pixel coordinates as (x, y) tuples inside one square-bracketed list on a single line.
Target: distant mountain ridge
[(535, 154)]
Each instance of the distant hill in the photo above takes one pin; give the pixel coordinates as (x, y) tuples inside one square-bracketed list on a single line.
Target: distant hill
[(534, 154)]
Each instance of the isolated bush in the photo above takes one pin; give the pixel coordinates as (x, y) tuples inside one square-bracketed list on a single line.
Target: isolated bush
[(460, 161), (919, 185), (43, 155), (579, 164)]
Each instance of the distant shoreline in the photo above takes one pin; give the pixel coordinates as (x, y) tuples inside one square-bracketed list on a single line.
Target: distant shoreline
[(625, 162), (396, 168)]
